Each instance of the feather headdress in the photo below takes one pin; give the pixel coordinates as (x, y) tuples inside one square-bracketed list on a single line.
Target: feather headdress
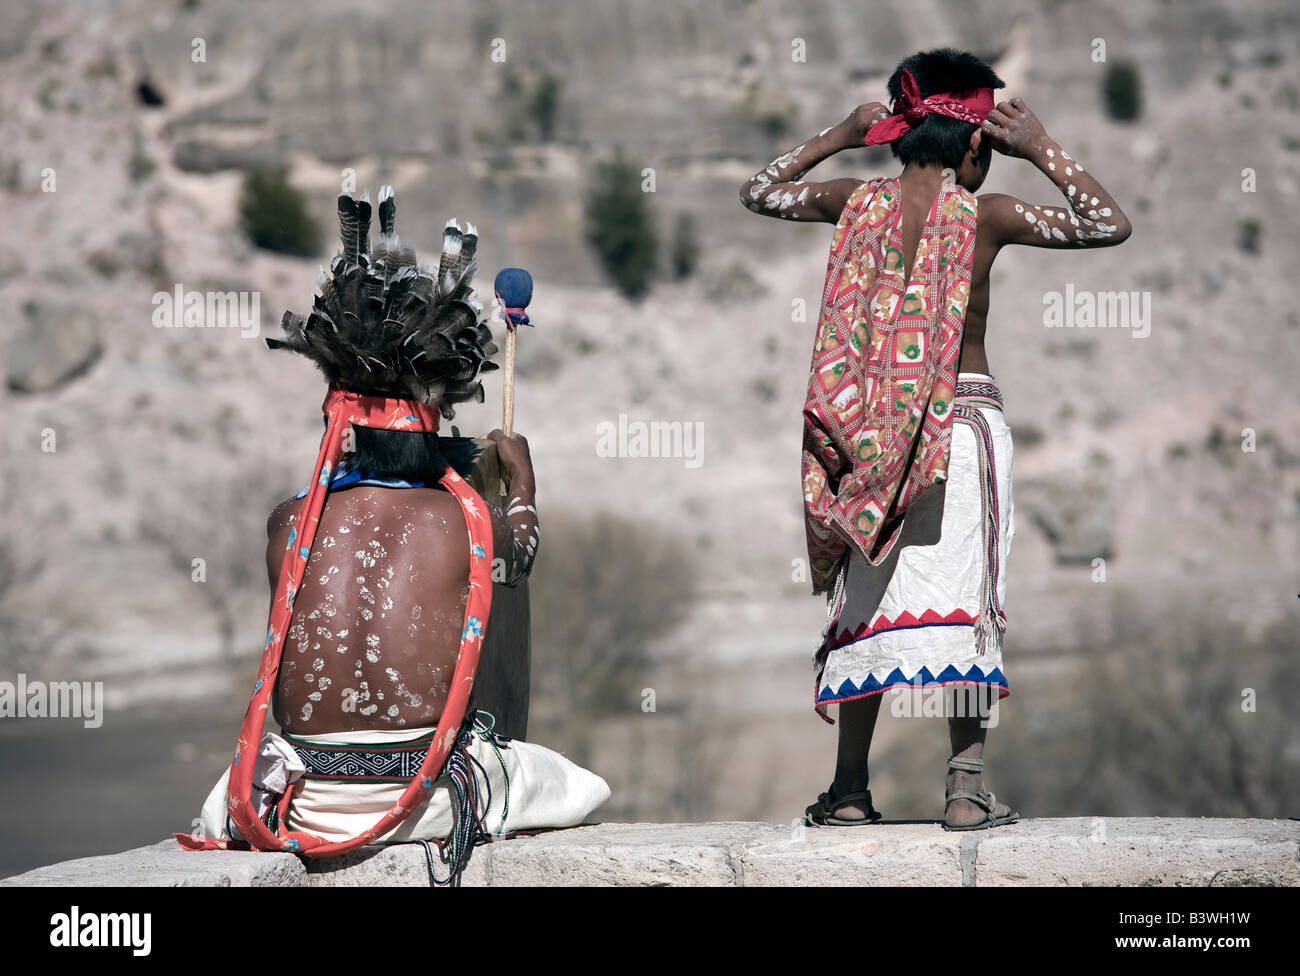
[(383, 324)]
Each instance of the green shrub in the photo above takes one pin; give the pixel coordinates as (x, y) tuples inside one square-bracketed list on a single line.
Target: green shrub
[(774, 123), (1122, 92), (1248, 232), (620, 227), (595, 616), (685, 253), (545, 105), (528, 107), (274, 214)]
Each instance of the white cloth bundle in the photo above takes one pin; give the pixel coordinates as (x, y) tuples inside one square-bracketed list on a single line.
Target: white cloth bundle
[(543, 789)]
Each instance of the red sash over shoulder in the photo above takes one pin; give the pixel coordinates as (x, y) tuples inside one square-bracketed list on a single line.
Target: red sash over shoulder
[(878, 417), (344, 408)]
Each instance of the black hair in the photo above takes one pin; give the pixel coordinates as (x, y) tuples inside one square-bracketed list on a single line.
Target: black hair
[(938, 138), (410, 454)]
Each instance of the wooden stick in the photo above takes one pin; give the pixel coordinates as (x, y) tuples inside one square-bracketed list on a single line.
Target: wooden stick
[(508, 420)]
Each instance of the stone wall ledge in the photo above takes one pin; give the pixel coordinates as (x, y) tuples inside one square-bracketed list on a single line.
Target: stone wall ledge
[(1069, 852)]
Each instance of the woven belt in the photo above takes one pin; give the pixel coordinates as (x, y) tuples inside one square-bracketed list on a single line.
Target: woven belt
[(362, 763), (979, 393), (397, 763)]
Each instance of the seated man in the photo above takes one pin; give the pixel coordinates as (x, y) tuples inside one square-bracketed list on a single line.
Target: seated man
[(378, 602)]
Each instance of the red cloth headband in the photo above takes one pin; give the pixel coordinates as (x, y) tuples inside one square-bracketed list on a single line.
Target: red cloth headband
[(971, 106)]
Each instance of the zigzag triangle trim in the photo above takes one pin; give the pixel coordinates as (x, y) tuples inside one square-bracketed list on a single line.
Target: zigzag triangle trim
[(882, 624), (922, 679)]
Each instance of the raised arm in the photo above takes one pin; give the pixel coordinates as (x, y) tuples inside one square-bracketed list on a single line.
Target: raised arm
[(777, 190), (1090, 216), (515, 533)]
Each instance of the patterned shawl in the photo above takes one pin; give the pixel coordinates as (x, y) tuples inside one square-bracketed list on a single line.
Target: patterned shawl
[(877, 420)]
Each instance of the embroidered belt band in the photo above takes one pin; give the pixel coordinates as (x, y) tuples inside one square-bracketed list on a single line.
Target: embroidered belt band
[(979, 393), (361, 763)]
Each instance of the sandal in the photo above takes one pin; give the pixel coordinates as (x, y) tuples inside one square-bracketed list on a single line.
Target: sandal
[(985, 800), (822, 813)]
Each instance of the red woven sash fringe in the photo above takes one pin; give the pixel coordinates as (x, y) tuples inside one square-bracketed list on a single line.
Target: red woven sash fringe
[(345, 408)]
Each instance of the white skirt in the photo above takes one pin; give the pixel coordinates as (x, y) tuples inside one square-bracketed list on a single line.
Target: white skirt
[(931, 613)]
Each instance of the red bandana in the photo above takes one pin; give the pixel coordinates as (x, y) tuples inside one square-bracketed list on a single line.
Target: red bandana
[(973, 106), (345, 408)]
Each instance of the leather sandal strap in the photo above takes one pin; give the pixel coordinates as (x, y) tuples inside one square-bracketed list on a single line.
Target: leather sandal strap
[(852, 799), (966, 765), (826, 807), (983, 800)]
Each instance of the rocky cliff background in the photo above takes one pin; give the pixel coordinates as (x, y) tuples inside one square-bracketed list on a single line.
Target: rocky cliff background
[(1174, 458)]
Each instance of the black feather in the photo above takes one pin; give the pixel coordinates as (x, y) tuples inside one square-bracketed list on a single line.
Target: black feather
[(348, 228), (387, 210), (382, 324)]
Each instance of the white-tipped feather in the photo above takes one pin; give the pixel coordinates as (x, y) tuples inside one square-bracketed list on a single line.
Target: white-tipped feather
[(451, 240), (393, 324)]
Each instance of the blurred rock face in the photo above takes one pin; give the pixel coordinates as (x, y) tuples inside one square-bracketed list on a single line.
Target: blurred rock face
[(1116, 461), (56, 343)]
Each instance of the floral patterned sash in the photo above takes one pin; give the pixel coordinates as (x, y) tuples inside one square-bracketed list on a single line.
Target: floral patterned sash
[(878, 416)]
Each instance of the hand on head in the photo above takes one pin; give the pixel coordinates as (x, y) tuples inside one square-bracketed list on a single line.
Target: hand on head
[(1014, 130), (863, 118)]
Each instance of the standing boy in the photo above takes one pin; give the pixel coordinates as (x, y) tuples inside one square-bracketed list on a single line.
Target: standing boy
[(903, 417)]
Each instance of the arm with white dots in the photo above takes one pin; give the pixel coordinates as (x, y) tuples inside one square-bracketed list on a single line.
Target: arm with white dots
[(778, 190), (515, 536), (1091, 218)]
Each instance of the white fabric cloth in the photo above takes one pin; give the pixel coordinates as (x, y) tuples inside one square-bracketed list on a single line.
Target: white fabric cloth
[(544, 790), (935, 571), (276, 768)]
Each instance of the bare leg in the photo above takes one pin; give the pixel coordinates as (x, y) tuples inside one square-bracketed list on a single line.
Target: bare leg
[(857, 721), (966, 735)]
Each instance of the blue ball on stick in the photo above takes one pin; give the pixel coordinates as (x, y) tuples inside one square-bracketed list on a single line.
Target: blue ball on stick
[(514, 290)]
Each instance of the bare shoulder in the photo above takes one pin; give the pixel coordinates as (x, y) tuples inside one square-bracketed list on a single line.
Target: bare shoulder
[(1004, 219), (427, 496), (400, 503), (387, 503), (282, 516), (995, 206)]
